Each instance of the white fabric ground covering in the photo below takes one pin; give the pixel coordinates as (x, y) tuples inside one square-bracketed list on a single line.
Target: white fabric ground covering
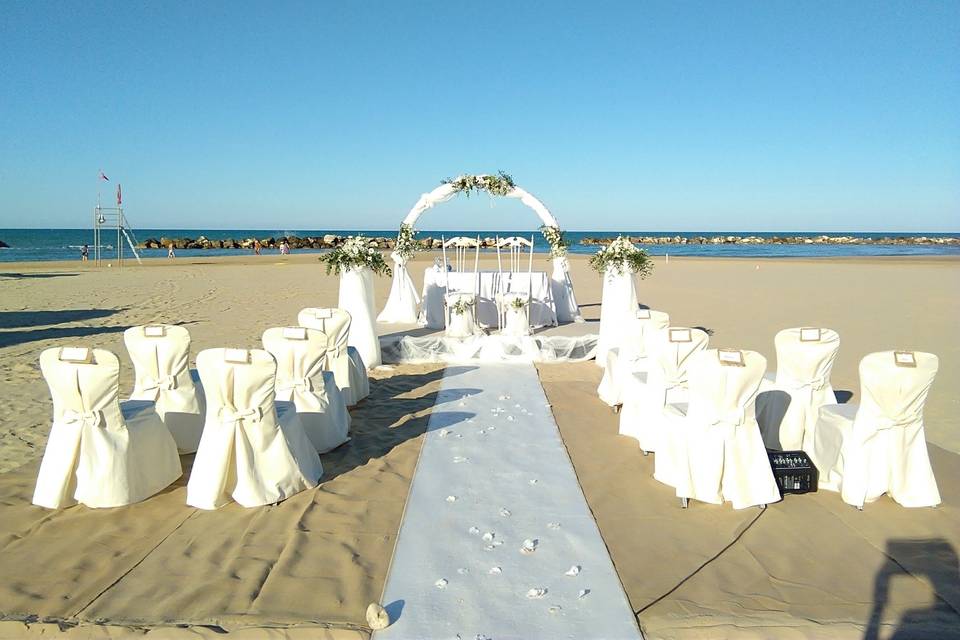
[(487, 348), (487, 284), (493, 466)]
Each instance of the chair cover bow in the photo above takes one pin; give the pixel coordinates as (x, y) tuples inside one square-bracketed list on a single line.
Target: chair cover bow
[(303, 385), (83, 418), (232, 416), (162, 383), (729, 421)]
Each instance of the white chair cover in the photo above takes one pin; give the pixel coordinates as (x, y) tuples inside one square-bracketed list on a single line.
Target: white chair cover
[(880, 447), (789, 402), (461, 325), (630, 356), (715, 449), (161, 355), (356, 298), (618, 308), (402, 303), (101, 452), (344, 361), (647, 393), (249, 449), (516, 319), (302, 380)]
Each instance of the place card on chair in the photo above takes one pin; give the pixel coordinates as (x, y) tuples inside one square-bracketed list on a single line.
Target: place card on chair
[(236, 356), (731, 357), (904, 359), (323, 314), (154, 331), (809, 335), (295, 333), (680, 335), (643, 314), (80, 355)]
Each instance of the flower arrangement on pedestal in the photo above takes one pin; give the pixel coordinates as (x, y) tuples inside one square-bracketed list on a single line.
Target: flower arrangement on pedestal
[(355, 253), (406, 245), (620, 256)]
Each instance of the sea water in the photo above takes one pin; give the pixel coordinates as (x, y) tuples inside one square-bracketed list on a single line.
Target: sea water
[(65, 244)]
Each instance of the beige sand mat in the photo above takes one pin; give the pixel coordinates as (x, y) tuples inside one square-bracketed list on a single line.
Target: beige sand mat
[(318, 558), (809, 566)]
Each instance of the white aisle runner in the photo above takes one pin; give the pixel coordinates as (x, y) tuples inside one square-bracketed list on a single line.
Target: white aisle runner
[(493, 474)]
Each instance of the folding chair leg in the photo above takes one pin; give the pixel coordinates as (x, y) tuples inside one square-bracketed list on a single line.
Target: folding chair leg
[(684, 503)]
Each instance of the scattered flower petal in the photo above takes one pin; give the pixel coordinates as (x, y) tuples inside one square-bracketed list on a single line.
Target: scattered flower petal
[(535, 594), (451, 498), (573, 571), (474, 531), (488, 536), (495, 571), (505, 512), (529, 546), (441, 583)]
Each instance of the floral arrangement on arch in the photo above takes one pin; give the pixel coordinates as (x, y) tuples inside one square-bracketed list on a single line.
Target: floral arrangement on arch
[(620, 256), (555, 238), (498, 185), (406, 244), (355, 253)]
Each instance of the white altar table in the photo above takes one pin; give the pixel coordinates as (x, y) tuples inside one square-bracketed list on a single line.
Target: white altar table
[(543, 310)]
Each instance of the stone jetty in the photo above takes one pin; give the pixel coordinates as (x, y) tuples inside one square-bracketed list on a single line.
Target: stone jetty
[(822, 239), (329, 241)]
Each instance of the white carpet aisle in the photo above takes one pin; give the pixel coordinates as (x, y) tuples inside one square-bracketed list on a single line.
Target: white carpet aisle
[(497, 540)]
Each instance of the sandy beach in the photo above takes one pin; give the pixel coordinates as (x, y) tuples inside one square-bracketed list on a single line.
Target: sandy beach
[(808, 567)]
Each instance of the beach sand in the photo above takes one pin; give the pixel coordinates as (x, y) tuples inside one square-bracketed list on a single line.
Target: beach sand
[(335, 543)]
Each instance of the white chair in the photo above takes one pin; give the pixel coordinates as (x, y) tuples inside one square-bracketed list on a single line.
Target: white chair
[(630, 356), (460, 312), (301, 354), (879, 446), (252, 450), (344, 361), (714, 449), (101, 452), (160, 355), (647, 393), (513, 307), (789, 401)]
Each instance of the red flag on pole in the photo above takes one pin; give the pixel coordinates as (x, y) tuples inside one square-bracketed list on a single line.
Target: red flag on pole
[(104, 177), (119, 199)]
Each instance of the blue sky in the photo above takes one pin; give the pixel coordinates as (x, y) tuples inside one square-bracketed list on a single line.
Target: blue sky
[(672, 115)]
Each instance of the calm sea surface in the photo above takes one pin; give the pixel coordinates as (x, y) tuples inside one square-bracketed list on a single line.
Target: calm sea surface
[(64, 244)]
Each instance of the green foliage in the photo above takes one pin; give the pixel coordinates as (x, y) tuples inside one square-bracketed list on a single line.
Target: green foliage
[(498, 185)]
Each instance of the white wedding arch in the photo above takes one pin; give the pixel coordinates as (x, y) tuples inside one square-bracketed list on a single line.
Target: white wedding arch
[(402, 304)]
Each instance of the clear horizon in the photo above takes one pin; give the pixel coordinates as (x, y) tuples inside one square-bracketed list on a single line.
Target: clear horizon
[(763, 117)]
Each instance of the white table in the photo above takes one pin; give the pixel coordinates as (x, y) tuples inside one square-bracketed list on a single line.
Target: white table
[(543, 311)]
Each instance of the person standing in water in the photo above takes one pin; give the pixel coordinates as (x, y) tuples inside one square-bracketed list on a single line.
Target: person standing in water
[(84, 253), (170, 251), (256, 247)]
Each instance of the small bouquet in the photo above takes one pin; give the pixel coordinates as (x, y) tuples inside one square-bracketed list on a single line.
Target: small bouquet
[(517, 303), (355, 253), (460, 307), (620, 256)]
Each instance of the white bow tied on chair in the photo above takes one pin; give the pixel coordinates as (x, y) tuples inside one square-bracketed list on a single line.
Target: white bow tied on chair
[(162, 383), (303, 385), (83, 418), (811, 386), (729, 421), (231, 416)]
